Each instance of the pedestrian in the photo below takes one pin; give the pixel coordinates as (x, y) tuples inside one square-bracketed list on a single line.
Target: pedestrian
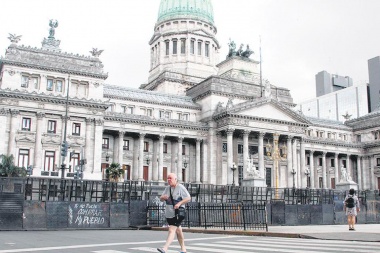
[(352, 207), (175, 195)]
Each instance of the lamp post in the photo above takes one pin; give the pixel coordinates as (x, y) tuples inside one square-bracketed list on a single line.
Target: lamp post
[(307, 173), (64, 144), (233, 168), (147, 160)]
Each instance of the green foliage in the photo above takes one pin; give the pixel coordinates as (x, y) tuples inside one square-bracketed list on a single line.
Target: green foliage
[(114, 172), (9, 169)]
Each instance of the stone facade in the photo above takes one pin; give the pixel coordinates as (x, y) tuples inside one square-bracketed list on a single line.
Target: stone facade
[(194, 117)]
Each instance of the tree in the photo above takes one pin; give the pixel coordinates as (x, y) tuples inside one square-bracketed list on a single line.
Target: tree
[(9, 169), (114, 172)]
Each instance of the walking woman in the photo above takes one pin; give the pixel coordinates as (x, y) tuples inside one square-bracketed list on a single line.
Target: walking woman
[(352, 207)]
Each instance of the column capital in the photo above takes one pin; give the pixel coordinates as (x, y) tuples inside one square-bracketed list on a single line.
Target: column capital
[(40, 115), (324, 153), (289, 137), (180, 138), (198, 140), (121, 134), (311, 151), (162, 137), (99, 122), (14, 113), (262, 134), (246, 132), (142, 135), (89, 120), (230, 131)]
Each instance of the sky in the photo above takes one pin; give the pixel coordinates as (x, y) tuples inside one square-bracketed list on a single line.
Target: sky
[(299, 38)]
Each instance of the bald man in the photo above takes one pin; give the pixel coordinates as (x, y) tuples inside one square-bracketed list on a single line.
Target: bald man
[(180, 196)]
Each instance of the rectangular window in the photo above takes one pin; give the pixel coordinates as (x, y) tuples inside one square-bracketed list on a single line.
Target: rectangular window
[(183, 149), (146, 146), (58, 86), (224, 147), (149, 112), (240, 149), (129, 110), (179, 115), (175, 46), (308, 160), (185, 117), (359, 138), (332, 163), (320, 161), (126, 145), (76, 128), (49, 85), (35, 82), (162, 114), (183, 46), (49, 161), (74, 160), (142, 111), (199, 47), (329, 135), (167, 47), (24, 81), (344, 163), (52, 126), (26, 124), (378, 161), (23, 158), (207, 50), (165, 147), (106, 143), (192, 46), (253, 150)]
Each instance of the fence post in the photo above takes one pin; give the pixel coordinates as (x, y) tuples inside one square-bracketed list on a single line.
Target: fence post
[(224, 220), (242, 215)]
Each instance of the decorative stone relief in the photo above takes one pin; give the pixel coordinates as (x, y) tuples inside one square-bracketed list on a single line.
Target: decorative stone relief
[(295, 129), (96, 84), (51, 139), (9, 101), (25, 137), (11, 72)]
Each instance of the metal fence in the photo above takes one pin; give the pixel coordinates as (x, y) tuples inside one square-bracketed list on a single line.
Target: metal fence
[(215, 215), (45, 189)]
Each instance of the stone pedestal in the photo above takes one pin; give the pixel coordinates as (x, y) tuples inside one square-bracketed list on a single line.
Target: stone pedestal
[(254, 182), (346, 185)]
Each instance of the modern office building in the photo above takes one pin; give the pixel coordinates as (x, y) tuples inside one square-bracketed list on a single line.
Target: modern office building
[(207, 121), (374, 83), (326, 83)]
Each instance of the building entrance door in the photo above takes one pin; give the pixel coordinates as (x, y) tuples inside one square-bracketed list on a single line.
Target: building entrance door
[(165, 173), (146, 173)]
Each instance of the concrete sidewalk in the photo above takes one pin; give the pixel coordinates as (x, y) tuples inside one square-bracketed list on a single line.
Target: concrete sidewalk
[(363, 232)]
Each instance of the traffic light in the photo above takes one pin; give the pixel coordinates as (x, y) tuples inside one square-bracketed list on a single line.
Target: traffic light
[(78, 174), (64, 148)]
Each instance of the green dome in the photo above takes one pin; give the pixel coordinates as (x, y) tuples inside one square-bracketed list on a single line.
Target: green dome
[(197, 9)]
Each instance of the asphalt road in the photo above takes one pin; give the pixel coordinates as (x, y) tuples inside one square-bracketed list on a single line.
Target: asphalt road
[(140, 241)]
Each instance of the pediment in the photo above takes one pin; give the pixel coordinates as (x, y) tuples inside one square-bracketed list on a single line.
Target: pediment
[(200, 32), (267, 109)]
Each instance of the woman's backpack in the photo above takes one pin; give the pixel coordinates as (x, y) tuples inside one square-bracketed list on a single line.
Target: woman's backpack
[(350, 202)]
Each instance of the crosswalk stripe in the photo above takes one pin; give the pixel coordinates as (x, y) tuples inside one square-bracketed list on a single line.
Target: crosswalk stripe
[(267, 248), (146, 249), (109, 251), (330, 242), (302, 246), (354, 247)]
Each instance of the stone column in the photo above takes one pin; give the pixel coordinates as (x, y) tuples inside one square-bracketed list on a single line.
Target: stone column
[(359, 167), (155, 160), (89, 146), (221, 170), (289, 161), (205, 171), (179, 159), (120, 148), (294, 156), (14, 126), (312, 170), (161, 159), (245, 151), (261, 154), (212, 149), (98, 136), (38, 145), (373, 169), (230, 157), (135, 166), (4, 118), (324, 175), (141, 158), (336, 165), (349, 167), (303, 183), (198, 161)]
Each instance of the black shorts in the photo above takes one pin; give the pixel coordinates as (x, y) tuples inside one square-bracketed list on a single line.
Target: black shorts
[(174, 221)]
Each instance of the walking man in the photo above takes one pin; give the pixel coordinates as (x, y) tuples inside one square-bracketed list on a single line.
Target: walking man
[(175, 195)]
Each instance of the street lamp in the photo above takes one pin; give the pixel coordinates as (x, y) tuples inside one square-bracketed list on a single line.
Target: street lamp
[(233, 168), (184, 164), (107, 157), (147, 160)]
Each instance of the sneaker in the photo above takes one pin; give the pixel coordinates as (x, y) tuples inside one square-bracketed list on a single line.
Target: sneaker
[(161, 250)]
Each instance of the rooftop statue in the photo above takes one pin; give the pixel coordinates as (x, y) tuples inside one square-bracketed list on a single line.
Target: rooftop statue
[(95, 52), (14, 38), (53, 24), (240, 52)]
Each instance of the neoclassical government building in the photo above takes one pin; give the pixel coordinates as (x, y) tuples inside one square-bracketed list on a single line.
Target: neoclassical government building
[(210, 121)]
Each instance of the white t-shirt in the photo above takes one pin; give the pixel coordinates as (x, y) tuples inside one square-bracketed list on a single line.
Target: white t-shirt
[(179, 193)]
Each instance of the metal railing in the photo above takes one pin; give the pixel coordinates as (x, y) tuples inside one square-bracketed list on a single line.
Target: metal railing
[(226, 216)]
